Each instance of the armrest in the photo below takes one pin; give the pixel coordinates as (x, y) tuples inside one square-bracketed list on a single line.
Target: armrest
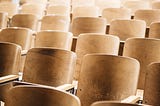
[(8, 78), (24, 52), (131, 99)]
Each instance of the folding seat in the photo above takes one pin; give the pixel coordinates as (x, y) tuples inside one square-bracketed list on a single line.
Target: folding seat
[(155, 4), (107, 77), (154, 31), (88, 25), (55, 22), (3, 20), (28, 95), (94, 43), (152, 83), (145, 50), (56, 39)]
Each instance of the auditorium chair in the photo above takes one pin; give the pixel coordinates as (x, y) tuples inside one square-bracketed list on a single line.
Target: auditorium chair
[(29, 95), (145, 50), (107, 77), (60, 2), (52, 38), (3, 20), (155, 4), (154, 31), (55, 22)]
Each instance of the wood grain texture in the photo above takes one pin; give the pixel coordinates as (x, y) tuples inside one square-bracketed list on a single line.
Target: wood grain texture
[(145, 51), (107, 77)]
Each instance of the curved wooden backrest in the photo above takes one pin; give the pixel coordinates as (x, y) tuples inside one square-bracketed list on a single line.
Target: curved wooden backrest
[(20, 36), (116, 13), (49, 66), (94, 43), (60, 2), (56, 39), (88, 25), (107, 77), (127, 28), (25, 20), (33, 8), (58, 10), (40, 96), (145, 50), (9, 7), (155, 4), (3, 19), (85, 11), (9, 59), (148, 16), (55, 22), (154, 31), (135, 5), (152, 85), (110, 103)]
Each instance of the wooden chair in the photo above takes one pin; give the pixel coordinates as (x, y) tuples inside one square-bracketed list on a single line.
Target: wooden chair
[(85, 11), (55, 22), (9, 59), (60, 2), (149, 16), (107, 77), (127, 28), (94, 43), (33, 8), (9, 7), (155, 5), (58, 10), (110, 103), (33, 1), (57, 39), (17, 35), (3, 19), (135, 5), (40, 96), (25, 20), (154, 31), (88, 25), (152, 83), (48, 66), (116, 13), (145, 51)]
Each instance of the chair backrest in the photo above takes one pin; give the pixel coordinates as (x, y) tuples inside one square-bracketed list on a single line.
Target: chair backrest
[(154, 31), (88, 25), (110, 103), (116, 13), (33, 8), (25, 20), (49, 66), (55, 22), (9, 7), (145, 51), (58, 10), (107, 77), (135, 5), (26, 95), (85, 11), (56, 39), (149, 16), (155, 4), (20, 36), (60, 2), (127, 28), (152, 83), (3, 19), (94, 43)]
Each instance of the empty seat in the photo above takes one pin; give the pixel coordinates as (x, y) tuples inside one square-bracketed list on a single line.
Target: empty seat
[(152, 83), (88, 25), (24, 20), (55, 22), (107, 77), (127, 28), (154, 31), (145, 51), (148, 16), (56, 39), (48, 66), (116, 13), (94, 43), (3, 19), (155, 4), (40, 96), (60, 2)]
